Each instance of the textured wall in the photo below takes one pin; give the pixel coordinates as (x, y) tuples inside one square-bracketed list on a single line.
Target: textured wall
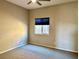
[(44, 40), (13, 26), (66, 27), (63, 26)]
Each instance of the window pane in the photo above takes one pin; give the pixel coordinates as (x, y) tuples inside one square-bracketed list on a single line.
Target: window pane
[(42, 21), (38, 21), (38, 29), (45, 29), (45, 21)]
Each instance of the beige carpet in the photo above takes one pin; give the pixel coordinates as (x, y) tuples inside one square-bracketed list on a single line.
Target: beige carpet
[(35, 52)]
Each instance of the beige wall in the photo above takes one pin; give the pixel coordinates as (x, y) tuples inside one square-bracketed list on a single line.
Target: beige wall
[(66, 27), (63, 27), (13, 26), (44, 40)]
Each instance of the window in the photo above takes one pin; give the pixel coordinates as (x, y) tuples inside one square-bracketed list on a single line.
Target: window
[(45, 29), (38, 29), (42, 25)]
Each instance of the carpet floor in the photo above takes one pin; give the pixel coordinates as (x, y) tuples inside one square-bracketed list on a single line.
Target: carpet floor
[(36, 52)]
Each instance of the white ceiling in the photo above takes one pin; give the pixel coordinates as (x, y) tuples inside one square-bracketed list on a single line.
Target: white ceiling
[(23, 3)]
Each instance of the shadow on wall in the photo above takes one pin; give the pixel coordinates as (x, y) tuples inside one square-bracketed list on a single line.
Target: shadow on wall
[(75, 40)]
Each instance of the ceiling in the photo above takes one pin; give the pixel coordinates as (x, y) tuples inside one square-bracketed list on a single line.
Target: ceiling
[(23, 3)]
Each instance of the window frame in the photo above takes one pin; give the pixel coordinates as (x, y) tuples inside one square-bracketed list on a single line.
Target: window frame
[(42, 28)]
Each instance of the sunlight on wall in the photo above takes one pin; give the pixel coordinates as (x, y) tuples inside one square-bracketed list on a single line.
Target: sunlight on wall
[(13, 26), (13, 31)]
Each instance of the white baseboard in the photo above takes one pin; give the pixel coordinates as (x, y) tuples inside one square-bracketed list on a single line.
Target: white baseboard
[(11, 49), (66, 50), (57, 48), (24, 45)]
